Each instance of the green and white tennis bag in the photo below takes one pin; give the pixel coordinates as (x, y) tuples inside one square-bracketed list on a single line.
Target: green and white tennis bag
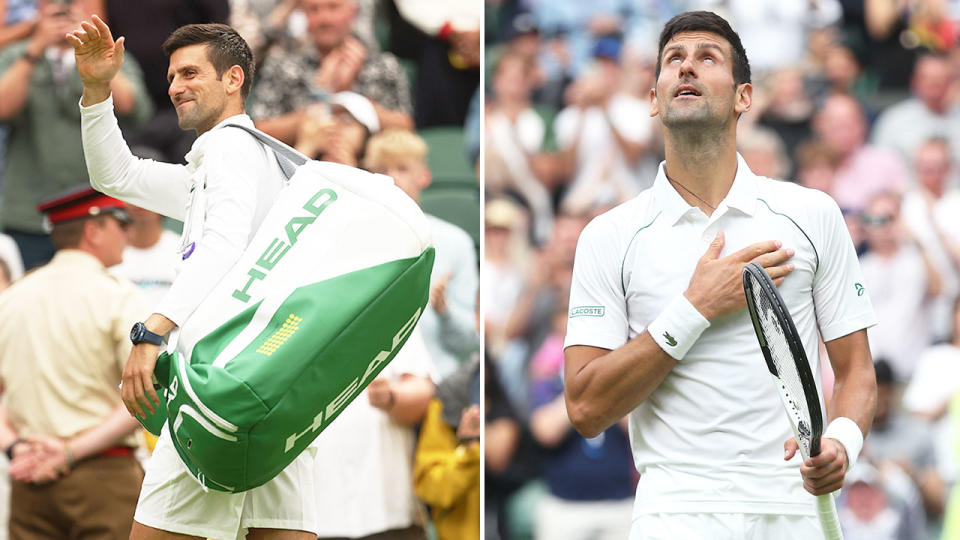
[(327, 292)]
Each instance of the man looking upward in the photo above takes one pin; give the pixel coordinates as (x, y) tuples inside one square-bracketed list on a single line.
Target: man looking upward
[(222, 195), (657, 328)]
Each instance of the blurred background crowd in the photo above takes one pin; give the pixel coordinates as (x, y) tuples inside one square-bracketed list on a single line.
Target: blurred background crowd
[(391, 86), (857, 98)]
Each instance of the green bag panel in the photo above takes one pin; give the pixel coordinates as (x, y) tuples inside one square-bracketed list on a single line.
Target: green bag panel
[(233, 438), (333, 305), (335, 384)]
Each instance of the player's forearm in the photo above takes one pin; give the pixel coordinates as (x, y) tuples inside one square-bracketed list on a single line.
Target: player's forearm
[(855, 384), (611, 385), (199, 276), (159, 324), (94, 93), (114, 170), (108, 433)]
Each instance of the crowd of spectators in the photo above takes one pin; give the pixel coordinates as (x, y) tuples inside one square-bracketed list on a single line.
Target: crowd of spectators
[(376, 84), (860, 99)]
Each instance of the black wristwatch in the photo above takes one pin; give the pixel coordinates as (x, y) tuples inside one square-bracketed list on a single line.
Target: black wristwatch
[(140, 334), (9, 450)]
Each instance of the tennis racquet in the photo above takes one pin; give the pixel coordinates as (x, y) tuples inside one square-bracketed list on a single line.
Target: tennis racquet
[(787, 362)]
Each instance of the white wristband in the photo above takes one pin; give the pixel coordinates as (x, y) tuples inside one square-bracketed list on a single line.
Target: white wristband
[(848, 433), (678, 327)]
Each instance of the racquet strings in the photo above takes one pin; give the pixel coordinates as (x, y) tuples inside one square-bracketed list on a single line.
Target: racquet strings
[(785, 366)]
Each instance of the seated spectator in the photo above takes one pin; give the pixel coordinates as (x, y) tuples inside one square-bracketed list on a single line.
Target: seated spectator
[(928, 395), (843, 74), (547, 283), (816, 165), (898, 270), (603, 133), (151, 257), (264, 25), (864, 170), (41, 88), (503, 455), (789, 107), (449, 321), (764, 153), (760, 23), (926, 114), (873, 509), (514, 138), (930, 210), (333, 61), (447, 463), (504, 255), (896, 439), (364, 466), (337, 130), (590, 481)]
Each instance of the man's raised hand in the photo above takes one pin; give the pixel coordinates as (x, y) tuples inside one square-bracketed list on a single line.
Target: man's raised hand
[(98, 56)]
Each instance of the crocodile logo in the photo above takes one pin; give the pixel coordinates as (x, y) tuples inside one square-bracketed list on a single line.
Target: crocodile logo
[(670, 341), (859, 289)]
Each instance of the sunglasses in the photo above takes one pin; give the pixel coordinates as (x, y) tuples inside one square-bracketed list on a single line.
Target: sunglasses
[(877, 220)]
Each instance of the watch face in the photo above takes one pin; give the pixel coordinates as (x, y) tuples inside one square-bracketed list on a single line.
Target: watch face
[(136, 332)]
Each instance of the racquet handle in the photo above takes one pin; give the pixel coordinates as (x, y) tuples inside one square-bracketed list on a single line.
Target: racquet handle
[(827, 512)]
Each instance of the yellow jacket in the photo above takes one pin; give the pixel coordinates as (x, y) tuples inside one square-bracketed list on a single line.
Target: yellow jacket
[(951, 520), (447, 477)]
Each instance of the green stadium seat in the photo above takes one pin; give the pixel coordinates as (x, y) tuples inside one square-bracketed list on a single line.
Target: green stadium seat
[(458, 204), (447, 157)]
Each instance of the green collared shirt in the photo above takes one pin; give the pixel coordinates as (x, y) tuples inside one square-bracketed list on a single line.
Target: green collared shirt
[(44, 154)]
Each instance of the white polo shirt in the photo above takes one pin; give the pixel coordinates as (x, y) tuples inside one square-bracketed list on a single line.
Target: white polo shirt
[(710, 437)]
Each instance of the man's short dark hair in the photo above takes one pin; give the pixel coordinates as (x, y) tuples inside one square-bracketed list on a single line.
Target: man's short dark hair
[(225, 49), (705, 21)]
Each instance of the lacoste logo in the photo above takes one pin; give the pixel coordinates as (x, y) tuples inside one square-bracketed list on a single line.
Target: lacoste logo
[(670, 341), (587, 311), (859, 289)]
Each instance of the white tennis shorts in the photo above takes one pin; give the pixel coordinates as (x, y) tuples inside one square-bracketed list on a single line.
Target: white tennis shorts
[(725, 527), (172, 500)]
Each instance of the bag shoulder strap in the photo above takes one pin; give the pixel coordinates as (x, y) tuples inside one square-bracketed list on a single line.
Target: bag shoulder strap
[(287, 157)]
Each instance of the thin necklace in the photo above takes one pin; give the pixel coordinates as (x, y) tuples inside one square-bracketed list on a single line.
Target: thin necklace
[(712, 208)]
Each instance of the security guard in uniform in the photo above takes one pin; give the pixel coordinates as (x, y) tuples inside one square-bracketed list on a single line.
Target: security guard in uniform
[(63, 343)]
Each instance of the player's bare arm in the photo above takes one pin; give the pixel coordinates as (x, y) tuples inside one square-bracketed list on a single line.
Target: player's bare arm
[(137, 389), (603, 385), (854, 397), (99, 58)]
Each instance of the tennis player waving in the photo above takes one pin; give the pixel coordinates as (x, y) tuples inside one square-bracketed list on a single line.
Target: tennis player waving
[(658, 328)]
